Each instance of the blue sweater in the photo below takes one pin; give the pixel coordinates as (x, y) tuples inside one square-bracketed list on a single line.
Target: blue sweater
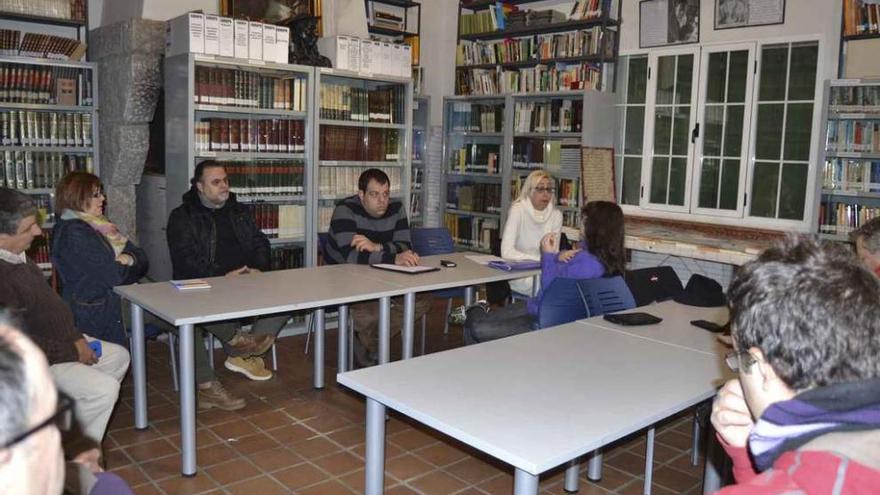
[(582, 265)]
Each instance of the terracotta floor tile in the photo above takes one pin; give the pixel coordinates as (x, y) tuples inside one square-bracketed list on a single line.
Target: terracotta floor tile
[(233, 471), (291, 433), (356, 481), (188, 486), (683, 463), (406, 466), (116, 458), (253, 443), (303, 410), (441, 454), (403, 490), (674, 479), (133, 475), (215, 454), (612, 478), (391, 450), (637, 488), (348, 436), (314, 448), (274, 459), (327, 488), (130, 436), (299, 476), (499, 485), (674, 439), (263, 485), (204, 438), (234, 429), (438, 483), (627, 462), (473, 470), (152, 449), (163, 468), (558, 488), (339, 463), (411, 439), (147, 489), (271, 419)]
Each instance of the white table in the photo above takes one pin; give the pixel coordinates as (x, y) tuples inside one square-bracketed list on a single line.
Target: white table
[(534, 400)]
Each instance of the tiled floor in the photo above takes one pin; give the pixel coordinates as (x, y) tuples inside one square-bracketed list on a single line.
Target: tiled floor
[(294, 439)]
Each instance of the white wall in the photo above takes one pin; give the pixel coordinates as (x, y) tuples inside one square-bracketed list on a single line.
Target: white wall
[(439, 25)]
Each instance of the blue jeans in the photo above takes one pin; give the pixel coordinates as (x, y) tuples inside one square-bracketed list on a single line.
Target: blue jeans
[(482, 326)]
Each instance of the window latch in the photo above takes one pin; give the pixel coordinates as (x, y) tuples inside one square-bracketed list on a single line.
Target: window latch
[(695, 133)]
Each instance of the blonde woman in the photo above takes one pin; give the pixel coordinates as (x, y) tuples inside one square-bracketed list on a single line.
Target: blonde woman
[(530, 218)]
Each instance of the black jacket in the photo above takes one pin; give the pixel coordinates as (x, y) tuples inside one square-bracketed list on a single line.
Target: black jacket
[(192, 238)]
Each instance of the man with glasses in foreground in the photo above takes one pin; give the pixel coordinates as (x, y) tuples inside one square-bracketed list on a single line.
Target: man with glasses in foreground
[(804, 414), (33, 414)]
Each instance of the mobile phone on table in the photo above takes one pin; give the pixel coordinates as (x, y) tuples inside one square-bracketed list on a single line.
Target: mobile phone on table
[(448, 264), (708, 325)]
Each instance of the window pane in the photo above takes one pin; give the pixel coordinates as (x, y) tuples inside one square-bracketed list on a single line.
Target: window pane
[(729, 185), (764, 184), (797, 131), (620, 132), (638, 80), (632, 178), (713, 127), (774, 65), (709, 183), (662, 130), (733, 129), (681, 131), (683, 83), (736, 84), (677, 175), (793, 192), (635, 125), (716, 75), (659, 175), (802, 81), (665, 79), (768, 140)]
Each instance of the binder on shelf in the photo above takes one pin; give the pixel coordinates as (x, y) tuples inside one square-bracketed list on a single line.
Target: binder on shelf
[(242, 38), (268, 42), (212, 34), (255, 40), (185, 34), (282, 42), (227, 37)]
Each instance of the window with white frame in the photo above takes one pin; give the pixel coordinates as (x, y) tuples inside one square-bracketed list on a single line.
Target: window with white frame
[(631, 112)]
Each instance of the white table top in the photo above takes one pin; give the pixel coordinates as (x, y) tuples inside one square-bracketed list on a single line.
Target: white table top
[(542, 398), (675, 329)]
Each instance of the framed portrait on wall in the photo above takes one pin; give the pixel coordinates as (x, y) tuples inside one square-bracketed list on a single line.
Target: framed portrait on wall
[(268, 11), (746, 13), (668, 22)]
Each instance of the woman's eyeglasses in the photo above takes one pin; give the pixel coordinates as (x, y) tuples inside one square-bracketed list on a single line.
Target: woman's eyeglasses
[(739, 360), (98, 193), (548, 190), (62, 419)]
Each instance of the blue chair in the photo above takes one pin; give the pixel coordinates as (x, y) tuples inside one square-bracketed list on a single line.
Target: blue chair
[(427, 242), (605, 295), (561, 303)]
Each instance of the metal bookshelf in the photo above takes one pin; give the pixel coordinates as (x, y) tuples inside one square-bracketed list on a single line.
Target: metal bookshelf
[(421, 122)]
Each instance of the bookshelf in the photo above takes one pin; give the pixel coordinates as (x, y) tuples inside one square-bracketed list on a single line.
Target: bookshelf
[(851, 176), (257, 119), (421, 122), (361, 122), (498, 52), (48, 127), (396, 20)]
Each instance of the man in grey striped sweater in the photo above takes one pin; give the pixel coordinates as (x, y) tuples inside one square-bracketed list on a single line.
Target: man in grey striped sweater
[(370, 228)]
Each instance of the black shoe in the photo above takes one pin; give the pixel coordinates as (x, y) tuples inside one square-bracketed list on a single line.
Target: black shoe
[(362, 357)]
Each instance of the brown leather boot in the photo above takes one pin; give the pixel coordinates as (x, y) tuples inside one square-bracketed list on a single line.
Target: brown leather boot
[(245, 344)]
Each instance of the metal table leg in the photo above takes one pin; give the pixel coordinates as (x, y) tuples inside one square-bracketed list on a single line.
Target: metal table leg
[(342, 352), (649, 462), (468, 296), (594, 468), (384, 329), (318, 379), (375, 455), (571, 476), (409, 316), (188, 398), (525, 483), (139, 367)]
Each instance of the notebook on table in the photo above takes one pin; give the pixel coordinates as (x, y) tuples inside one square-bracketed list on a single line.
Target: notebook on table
[(510, 266), (412, 270)]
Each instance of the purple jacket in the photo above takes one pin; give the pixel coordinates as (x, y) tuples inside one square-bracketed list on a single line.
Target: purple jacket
[(582, 265)]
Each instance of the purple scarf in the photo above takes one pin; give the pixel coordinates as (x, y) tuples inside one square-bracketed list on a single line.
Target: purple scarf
[(787, 425)]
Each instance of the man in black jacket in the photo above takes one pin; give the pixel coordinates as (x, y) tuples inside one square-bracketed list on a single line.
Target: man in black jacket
[(211, 235)]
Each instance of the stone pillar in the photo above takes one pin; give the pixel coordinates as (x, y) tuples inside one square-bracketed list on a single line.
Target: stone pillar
[(129, 57)]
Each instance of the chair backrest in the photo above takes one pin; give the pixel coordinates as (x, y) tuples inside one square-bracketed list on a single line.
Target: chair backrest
[(428, 241), (605, 295), (656, 283), (561, 303)]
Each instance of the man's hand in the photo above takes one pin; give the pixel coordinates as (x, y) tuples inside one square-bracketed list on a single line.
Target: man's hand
[(251, 270), (730, 415), (125, 259), (406, 258), (566, 256), (238, 271), (91, 459), (362, 243), (85, 354)]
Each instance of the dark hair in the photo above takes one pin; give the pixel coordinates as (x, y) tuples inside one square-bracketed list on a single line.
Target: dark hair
[(75, 190), (812, 310), (603, 232), (372, 174), (199, 172), (869, 232), (14, 206), (15, 403)]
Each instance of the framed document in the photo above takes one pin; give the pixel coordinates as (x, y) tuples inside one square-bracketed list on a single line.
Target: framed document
[(668, 22), (597, 175), (746, 13)]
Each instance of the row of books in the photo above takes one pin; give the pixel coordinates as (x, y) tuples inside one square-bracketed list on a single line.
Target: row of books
[(286, 258), (859, 136), (541, 78), (344, 102), (554, 116), (845, 174), (860, 17), (24, 128), (242, 88), (589, 9), (567, 190), (340, 182), (418, 145), (478, 233), (359, 144), (58, 9), (854, 99), (484, 21), (266, 178), (25, 83), (35, 45), (39, 170), (535, 153), (245, 135), (501, 16), (469, 117), (39, 251), (571, 220), (45, 207), (415, 208), (476, 157), (279, 221), (841, 218), (478, 196), (586, 42)]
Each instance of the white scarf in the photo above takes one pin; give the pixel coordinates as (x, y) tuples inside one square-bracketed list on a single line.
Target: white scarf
[(538, 216)]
